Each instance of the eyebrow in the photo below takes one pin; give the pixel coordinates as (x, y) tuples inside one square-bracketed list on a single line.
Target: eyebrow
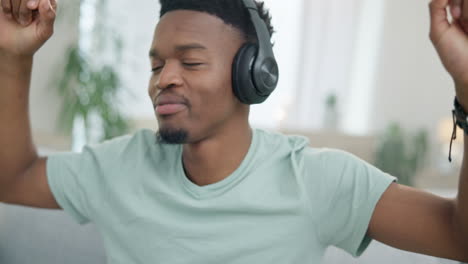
[(180, 48)]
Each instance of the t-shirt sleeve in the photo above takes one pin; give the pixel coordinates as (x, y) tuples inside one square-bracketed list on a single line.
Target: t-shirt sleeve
[(78, 180), (68, 175), (347, 190)]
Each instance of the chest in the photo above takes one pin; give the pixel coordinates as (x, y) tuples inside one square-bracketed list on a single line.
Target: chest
[(215, 237), (258, 229), (262, 219)]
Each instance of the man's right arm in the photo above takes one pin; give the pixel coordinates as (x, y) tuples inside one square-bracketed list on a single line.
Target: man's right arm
[(23, 178)]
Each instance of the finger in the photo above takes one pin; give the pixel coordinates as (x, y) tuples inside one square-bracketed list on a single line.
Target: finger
[(15, 6), (439, 19), (53, 5), (456, 8), (464, 15), (33, 4), (25, 14), (6, 7), (47, 15)]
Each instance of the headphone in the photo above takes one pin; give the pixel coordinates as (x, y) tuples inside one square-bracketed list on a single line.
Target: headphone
[(255, 71)]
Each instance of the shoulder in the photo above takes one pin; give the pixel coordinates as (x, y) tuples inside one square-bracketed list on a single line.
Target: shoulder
[(142, 144), (143, 139), (329, 156), (299, 146), (274, 139), (333, 168), (140, 138)]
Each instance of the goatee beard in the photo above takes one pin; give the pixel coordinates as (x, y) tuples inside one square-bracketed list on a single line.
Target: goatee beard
[(171, 136)]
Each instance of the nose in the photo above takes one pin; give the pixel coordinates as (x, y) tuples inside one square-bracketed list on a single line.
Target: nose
[(169, 76)]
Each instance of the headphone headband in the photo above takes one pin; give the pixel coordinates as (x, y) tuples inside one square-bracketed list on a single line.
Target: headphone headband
[(255, 71), (265, 67), (263, 36)]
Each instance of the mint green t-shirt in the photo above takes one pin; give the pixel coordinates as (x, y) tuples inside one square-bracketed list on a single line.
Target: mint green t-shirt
[(286, 203)]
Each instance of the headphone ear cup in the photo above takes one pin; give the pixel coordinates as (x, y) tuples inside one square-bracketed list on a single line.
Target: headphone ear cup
[(242, 77)]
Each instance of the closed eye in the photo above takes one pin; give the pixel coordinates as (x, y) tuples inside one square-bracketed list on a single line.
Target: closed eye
[(156, 69), (192, 64)]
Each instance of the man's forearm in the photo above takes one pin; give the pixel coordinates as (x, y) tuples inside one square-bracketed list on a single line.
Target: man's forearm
[(17, 150)]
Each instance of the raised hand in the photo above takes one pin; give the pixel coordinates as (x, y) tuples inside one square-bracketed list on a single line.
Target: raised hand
[(25, 25), (450, 38)]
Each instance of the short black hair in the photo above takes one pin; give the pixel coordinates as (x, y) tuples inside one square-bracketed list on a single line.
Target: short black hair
[(232, 12)]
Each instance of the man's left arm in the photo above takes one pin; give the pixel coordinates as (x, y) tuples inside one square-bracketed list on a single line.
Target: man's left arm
[(415, 220)]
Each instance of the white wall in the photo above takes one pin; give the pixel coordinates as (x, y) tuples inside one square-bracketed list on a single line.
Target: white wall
[(328, 30), (44, 102), (136, 26), (411, 86), (357, 97)]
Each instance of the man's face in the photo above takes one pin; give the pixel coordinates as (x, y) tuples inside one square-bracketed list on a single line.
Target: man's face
[(191, 84)]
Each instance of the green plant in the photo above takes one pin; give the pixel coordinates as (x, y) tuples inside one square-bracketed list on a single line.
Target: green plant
[(88, 90), (400, 155), (331, 101), (90, 87)]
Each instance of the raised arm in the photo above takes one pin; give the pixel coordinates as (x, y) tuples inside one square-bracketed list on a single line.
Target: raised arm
[(414, 220), (22, 172)]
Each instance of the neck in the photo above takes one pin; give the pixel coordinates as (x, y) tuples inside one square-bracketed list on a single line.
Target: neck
[(214, 159)]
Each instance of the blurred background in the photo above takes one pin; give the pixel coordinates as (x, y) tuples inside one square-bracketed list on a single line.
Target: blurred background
[(359, 75)]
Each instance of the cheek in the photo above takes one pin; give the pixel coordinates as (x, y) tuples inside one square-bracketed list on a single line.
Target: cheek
[(218, 93), (151, 88), (211, 93), (224, 82)]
